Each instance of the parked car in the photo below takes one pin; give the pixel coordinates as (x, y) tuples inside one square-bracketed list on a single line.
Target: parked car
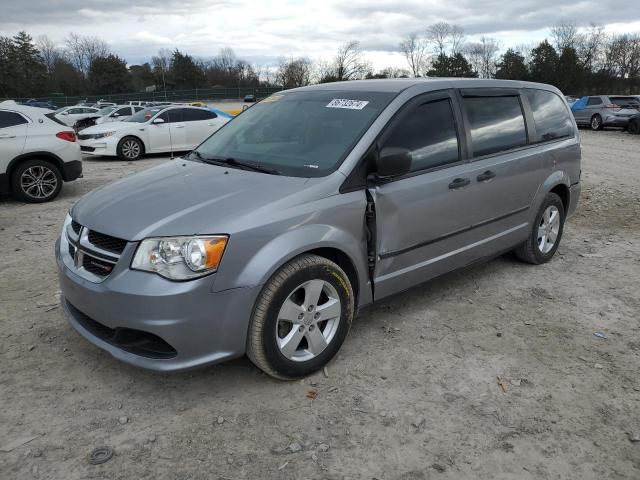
[(72, 115), (116, 113), (138, 103), (40, 104), (250, 98), (37, 153), (634, 124), (605, 111), (270, 236), (152, 130)]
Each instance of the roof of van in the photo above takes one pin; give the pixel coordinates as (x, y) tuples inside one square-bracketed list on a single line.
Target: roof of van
[(399, 84)]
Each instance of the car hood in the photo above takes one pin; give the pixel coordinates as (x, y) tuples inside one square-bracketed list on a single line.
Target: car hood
[(183, 197), (109, 127)]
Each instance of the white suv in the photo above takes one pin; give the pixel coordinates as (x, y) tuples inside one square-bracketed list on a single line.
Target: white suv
[(37, 153)]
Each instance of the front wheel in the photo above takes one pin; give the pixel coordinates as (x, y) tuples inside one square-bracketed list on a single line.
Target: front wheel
[(634, 127), (546, 233), (596, 122), (130, 149), (301, 318)]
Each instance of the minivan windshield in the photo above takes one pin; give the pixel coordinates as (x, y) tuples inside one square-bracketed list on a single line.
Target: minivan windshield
[(144, 115), (302, 134)]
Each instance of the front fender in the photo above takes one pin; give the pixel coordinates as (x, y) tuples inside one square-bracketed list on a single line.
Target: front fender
[(278, 251)]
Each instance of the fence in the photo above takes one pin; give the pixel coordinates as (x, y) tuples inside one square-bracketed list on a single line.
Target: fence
[(196, 94)]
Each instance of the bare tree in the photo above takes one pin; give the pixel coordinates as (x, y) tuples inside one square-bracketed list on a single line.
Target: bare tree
[(457, 39), (438, 35), (482, 56), (413, 50), (349, 63), (82, 51), (565, 35), (294, 72), (49, 52), (590, 45)]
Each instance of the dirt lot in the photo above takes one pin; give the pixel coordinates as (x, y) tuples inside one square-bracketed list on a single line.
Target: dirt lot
[(493, 372)]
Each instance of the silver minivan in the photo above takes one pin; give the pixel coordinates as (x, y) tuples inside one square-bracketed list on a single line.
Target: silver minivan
[(270, 236)]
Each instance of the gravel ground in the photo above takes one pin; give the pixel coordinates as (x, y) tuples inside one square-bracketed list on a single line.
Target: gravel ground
[(492, 372)]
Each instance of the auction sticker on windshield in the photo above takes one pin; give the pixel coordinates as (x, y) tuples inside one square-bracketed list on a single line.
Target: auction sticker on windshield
[(346, 103)]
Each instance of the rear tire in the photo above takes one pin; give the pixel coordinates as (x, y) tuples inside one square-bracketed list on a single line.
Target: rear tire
[(546, 232), (36, 181), (130, 149), (596, 122), (300, 318)]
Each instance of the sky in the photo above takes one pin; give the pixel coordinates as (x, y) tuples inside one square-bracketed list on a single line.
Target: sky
[(263, 31)]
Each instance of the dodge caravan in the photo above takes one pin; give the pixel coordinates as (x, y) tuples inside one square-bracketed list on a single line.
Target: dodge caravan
[(271, 235)]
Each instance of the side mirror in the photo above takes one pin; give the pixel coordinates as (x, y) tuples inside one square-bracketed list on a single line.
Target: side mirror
[(64, 113), (393, 162), (158, 121), (116, 115)]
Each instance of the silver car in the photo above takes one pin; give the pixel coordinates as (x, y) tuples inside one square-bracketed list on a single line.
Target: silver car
[(270, 236), (602, 111)]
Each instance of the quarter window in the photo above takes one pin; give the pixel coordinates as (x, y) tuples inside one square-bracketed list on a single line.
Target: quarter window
[(496, 124), (11, 119), (429, 133), (194, 115), (550, 115)]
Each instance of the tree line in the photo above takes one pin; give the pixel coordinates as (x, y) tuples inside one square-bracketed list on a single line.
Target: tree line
[(578, 61)]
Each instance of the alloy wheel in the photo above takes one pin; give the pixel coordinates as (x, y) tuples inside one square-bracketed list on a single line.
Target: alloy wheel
[(548, 229), (38, 181), (131, 149), (595, 123), (308, 320)]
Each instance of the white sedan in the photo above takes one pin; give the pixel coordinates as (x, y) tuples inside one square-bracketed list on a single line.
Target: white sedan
[(71, 115), (152, 130)]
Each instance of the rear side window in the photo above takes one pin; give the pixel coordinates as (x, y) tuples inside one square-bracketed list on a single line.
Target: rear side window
[(429, 133), (496, 124), (123, 111), (11, 119), (194, 115), (594, 101), (550, 115)]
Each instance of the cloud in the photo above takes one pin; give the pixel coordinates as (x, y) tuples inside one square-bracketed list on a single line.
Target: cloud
[(269, 29)]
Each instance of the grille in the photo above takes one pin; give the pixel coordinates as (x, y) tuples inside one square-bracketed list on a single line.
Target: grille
[(106, 242), (72, 250), (84, 148), (96, 266), (137, 342), (75, 226)]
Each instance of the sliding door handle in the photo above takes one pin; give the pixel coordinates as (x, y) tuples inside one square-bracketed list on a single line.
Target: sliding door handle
[(486, 176), (459, 183)]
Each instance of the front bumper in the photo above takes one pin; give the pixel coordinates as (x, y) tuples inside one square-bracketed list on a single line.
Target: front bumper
[(200, 326), (99, 147)]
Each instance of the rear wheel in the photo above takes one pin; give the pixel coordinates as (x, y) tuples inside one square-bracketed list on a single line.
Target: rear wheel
[(301, 318), (596, 122), (130, 148), (36, 181), (546, 233)]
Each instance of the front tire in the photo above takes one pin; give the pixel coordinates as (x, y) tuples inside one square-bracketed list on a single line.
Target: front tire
[(130, 149), (300, 318), (634, 127), (36, 181), (546, 233), (596, 122)]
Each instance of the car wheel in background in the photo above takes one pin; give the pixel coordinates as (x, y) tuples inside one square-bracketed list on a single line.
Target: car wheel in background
[(596, 122), (634, 127), (130, 148), (546, 233), (36, 181), (301, 318)]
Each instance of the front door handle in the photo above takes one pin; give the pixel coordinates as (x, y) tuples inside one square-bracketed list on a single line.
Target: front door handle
[(179, 126), (486, 176), (459, 183)]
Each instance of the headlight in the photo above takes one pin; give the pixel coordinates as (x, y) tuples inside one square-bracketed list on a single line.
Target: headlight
[(102, 135), (180, 258)]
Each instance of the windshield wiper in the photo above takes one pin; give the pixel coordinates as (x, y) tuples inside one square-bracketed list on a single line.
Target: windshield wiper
[(234, 163)]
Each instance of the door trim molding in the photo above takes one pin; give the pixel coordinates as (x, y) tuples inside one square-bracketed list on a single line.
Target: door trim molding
[(415, 246)]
